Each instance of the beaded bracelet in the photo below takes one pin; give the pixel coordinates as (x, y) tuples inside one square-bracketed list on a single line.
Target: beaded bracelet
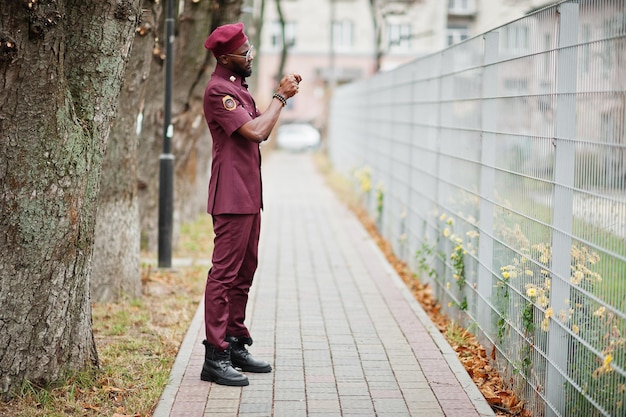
[(281, 98)]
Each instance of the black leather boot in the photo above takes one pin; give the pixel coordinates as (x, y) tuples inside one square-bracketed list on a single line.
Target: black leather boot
[(241, 358), (219, 369)]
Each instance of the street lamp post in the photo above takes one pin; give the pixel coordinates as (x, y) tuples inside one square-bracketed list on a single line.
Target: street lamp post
[(166, 160)]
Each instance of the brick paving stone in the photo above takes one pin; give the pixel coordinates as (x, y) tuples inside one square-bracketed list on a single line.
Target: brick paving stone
[(289, 408), (245, 414), (256, 407), (352, 388), (318, 406), (386, 406), (193, 393), (386, 393), (188, 408), (356, 402), (343, 334), (324, 414), (224, 392), (226, 406), (290, 395)]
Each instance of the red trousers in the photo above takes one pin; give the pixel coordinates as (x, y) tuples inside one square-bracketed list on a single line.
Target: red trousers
[(235, 259)]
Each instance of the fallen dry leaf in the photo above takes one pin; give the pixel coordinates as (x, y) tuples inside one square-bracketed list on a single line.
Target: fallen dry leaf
[(91, 407)]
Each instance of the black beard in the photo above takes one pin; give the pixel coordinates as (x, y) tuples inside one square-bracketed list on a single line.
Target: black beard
[(243, 71)]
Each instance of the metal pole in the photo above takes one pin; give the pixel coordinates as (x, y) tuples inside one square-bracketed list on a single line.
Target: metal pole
[(166, 160)]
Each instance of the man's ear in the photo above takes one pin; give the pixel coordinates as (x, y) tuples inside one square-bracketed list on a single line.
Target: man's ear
[(223, 59)]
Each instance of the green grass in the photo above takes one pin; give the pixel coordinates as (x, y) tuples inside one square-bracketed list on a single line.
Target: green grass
[(610, 268)]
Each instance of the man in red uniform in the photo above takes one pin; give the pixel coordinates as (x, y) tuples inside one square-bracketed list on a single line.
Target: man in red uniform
[(235, 201)]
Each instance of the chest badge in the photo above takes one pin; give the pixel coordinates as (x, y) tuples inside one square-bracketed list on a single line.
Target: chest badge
[(229, 103)]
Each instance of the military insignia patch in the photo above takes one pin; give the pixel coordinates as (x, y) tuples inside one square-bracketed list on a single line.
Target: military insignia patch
[(229, 103)]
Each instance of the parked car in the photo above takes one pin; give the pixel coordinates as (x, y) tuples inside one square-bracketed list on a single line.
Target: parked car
[(297, 137)]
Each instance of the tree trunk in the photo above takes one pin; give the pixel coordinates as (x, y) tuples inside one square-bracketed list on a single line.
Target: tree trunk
[(116, 256), (61, 66), (376, 22), (191, 144), (283, 51)]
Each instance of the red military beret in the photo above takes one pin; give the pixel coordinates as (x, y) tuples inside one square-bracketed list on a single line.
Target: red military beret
[(225, 39)]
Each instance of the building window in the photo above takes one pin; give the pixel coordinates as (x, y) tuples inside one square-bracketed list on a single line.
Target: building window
[(461, 6), (342, 34), (277, 35), (607, 55), (457, 33), (516, 87), (399, 36), (516, 38), (585, 53)]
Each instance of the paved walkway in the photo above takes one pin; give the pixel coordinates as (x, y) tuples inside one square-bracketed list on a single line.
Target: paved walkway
[(343, 333)]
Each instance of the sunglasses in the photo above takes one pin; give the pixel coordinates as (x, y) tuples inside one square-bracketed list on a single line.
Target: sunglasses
[(248, 55)]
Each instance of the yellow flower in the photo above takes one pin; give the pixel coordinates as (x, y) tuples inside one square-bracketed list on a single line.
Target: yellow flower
[(545, 324), (446, 232), (531, 292), (442, 217), (366, 184), (606, 365), (506, 275), (577, 278), (549, 312), (597, 277), (599, 312), (575, 329), (529, 273), (447, 285)]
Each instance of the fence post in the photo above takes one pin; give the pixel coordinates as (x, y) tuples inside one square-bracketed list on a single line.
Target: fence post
[(562, 200), (489, 111)]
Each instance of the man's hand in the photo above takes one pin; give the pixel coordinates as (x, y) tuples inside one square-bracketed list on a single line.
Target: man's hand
[(289, 85)]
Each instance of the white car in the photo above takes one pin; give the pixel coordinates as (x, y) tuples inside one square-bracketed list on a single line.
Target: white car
[(297, 137)]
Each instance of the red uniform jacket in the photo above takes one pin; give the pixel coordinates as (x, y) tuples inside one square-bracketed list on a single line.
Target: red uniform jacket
[(235, 184)]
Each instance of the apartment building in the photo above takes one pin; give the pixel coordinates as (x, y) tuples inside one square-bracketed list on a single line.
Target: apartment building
[(331, 42)]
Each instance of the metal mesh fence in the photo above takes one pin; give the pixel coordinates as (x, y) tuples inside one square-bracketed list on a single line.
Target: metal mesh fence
[(497, 170)]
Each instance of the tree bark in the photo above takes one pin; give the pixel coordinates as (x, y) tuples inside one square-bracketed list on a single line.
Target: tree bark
[(283, 51), (191, 144), (61, 66), (376, 22), (116, 256)]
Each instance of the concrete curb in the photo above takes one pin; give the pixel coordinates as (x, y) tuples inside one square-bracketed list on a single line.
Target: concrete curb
[(166, 401)]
